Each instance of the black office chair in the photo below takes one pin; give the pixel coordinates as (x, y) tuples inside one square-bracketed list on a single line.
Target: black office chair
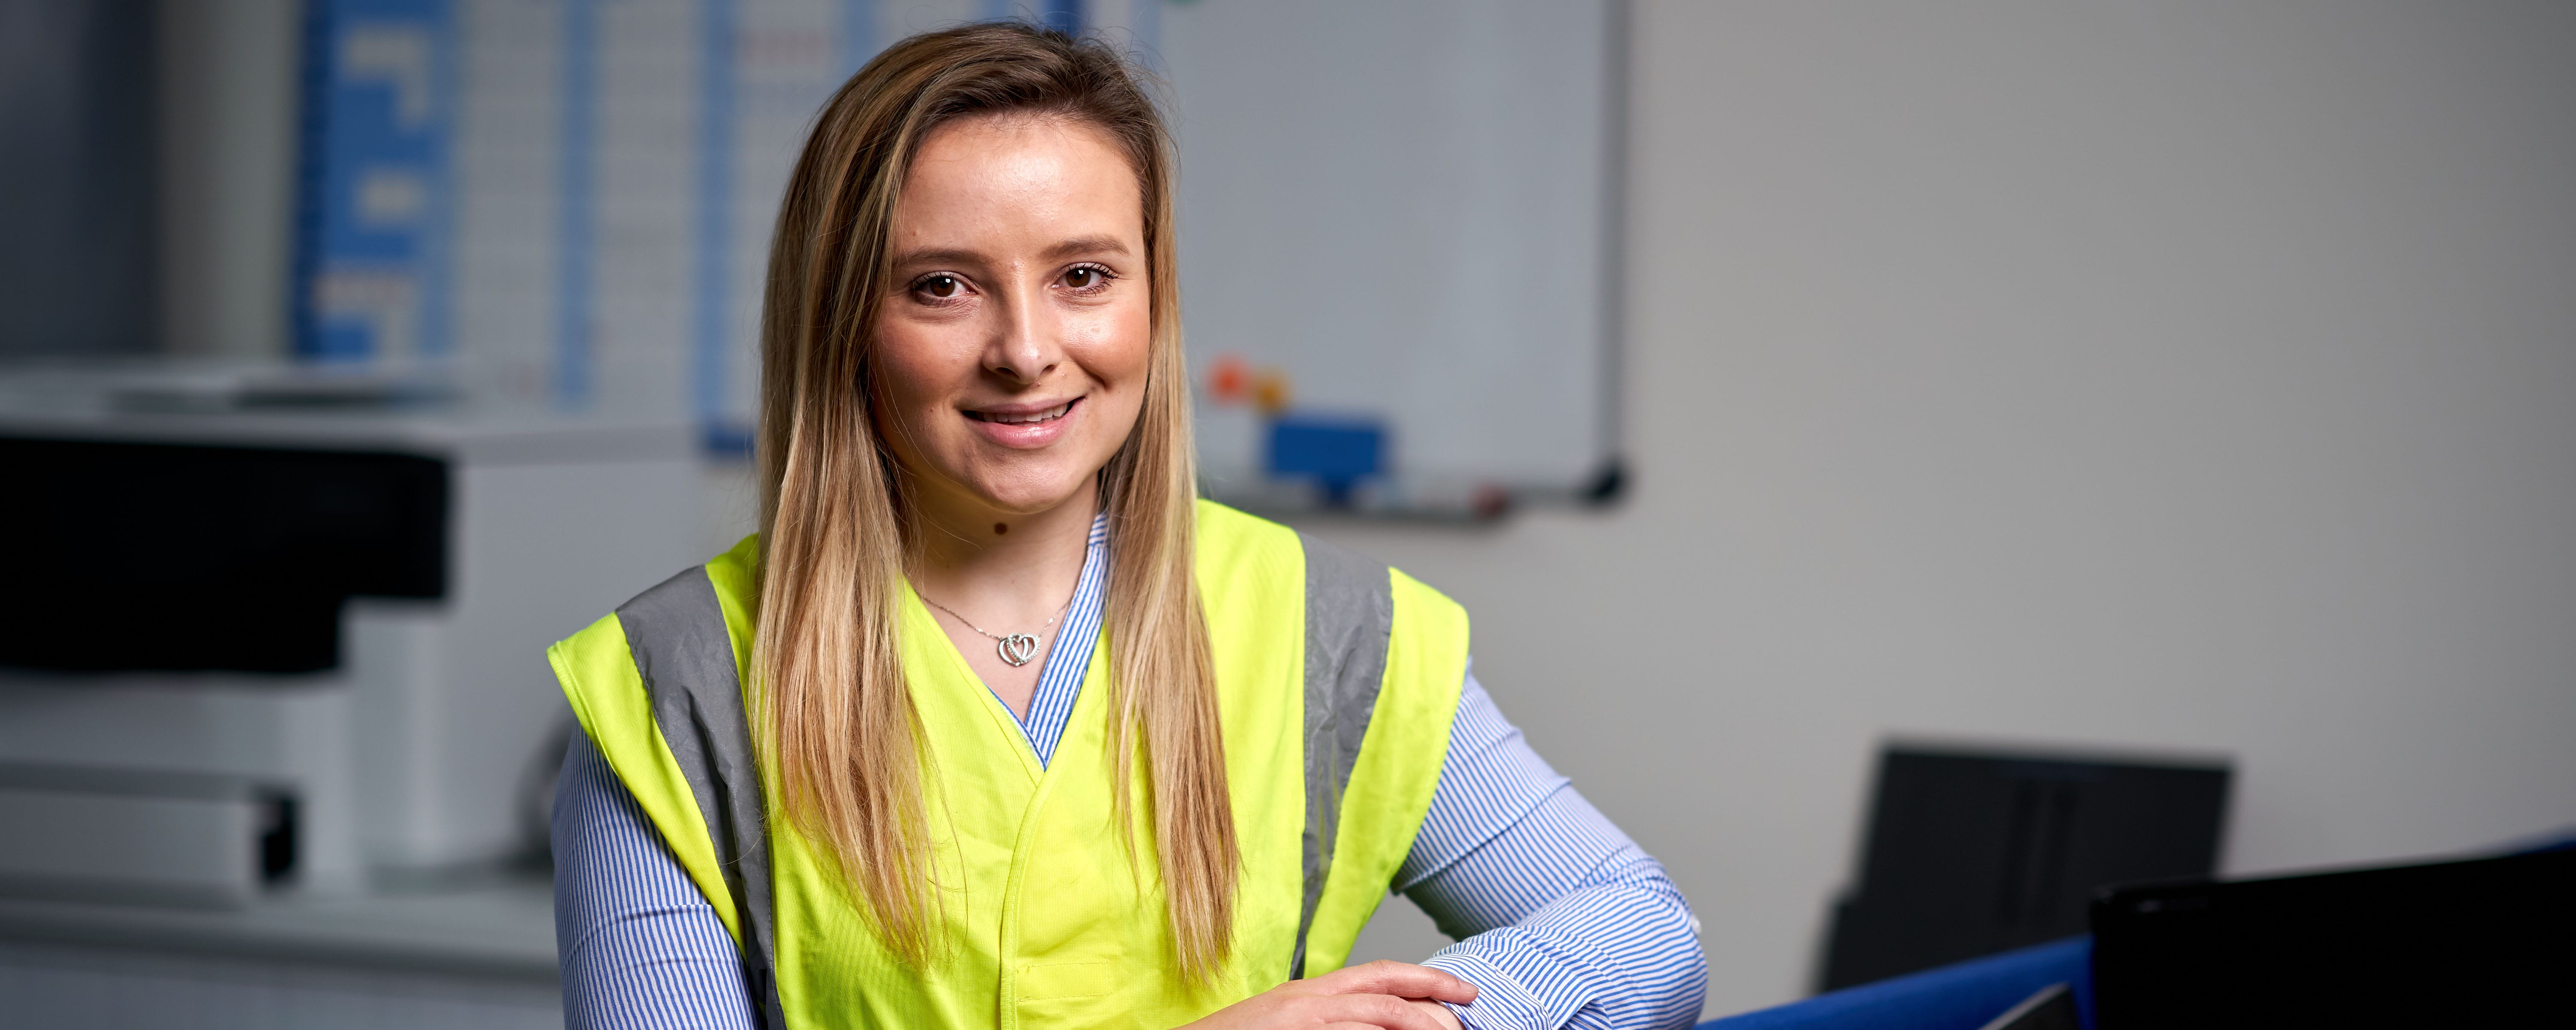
[(1975, 852)]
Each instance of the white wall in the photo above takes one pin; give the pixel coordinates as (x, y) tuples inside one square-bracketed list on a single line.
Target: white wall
[(2182, 375)]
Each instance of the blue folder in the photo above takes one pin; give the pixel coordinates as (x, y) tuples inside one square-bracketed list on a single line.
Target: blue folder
[(1964, 996)]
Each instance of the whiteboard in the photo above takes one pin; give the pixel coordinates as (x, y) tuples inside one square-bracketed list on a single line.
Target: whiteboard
[(1409, 210)]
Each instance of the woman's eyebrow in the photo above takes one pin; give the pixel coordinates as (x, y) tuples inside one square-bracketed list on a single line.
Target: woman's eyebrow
[(1103, 244), (938, 257)]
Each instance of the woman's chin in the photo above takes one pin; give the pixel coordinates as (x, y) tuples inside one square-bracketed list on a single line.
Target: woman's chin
[(1031, 495)]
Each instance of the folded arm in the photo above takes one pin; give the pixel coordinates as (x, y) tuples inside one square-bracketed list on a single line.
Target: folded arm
[(1561, 920)]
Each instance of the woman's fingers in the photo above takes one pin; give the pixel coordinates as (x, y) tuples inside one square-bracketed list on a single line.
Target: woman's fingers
[(1383, 1011), (1400, 979), (1440, 1014), (1376, 996)]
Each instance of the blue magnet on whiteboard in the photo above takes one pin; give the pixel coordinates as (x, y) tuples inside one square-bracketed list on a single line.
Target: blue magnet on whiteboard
[(1334, 451)]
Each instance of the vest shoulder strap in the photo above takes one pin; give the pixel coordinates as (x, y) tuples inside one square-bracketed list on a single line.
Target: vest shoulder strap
[(682, 650), (1350, 614), (1385, 661)]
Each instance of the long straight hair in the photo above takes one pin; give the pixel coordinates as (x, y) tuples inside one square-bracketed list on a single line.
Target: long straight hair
[(834, 711)]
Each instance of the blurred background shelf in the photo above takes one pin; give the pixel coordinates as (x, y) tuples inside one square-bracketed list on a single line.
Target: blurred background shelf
[(497, 930), (480, 955)]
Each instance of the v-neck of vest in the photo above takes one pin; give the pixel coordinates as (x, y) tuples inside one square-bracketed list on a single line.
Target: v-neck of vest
[(1004, 722)]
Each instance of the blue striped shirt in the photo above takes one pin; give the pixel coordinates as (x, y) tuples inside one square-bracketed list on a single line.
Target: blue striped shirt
[(1561, 921)]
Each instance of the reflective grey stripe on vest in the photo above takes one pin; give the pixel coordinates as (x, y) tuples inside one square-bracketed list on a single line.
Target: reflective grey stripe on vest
[(676, 632), (1350, 613)]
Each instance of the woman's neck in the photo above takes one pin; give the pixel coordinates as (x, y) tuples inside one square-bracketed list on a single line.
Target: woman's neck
[(1007, 572)]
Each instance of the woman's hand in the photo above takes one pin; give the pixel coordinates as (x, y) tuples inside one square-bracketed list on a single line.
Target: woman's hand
[(1382, 994)]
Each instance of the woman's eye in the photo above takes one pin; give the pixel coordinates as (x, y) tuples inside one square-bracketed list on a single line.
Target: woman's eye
[(939, 286), (1084, 277)]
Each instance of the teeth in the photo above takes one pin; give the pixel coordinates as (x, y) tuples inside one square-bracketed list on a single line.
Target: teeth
[(1021, 420)]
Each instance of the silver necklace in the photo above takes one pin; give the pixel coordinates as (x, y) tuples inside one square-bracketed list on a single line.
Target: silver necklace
[(1015, 648)]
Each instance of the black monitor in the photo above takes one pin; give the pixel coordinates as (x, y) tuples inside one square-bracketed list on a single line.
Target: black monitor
[(2484, 943)]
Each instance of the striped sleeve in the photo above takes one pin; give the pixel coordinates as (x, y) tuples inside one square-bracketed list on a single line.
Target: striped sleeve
[(1561, 920), (640, 947)]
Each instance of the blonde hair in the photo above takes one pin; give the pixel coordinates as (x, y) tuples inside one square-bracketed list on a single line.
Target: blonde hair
[(834, 713)]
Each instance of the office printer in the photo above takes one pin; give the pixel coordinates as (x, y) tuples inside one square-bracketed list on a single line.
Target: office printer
[(286, 630)]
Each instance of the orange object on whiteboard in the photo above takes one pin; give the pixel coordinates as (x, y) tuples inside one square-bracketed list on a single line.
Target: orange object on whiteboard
[(1270, 391), (1230, 379)]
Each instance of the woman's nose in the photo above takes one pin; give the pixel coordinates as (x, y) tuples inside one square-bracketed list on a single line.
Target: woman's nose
[(1024, 347)]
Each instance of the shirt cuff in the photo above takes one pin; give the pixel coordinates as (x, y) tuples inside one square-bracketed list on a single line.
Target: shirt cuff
[(1502, 1002)]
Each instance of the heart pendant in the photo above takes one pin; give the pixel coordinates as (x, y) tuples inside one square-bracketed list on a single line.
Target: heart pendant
[(1017, 649)]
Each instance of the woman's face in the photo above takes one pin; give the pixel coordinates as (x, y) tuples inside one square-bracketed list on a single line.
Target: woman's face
[(1011, 352)]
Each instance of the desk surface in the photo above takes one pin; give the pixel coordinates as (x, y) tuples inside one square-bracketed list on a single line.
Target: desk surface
[(501, 928)]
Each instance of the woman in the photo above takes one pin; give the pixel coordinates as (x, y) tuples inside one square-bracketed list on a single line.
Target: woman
[(1031, 735)]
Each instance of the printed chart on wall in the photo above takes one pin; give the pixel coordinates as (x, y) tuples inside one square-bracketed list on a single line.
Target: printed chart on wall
[(569, 200), (1397, 220)]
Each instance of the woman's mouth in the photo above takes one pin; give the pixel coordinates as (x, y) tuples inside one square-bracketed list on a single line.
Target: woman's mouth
[(1029, 418), (1025, 428)]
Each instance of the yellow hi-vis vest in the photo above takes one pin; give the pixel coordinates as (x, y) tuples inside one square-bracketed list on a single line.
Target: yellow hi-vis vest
[(1336, 681)]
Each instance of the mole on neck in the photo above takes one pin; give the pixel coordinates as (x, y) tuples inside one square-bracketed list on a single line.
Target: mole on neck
[(1000, 528)]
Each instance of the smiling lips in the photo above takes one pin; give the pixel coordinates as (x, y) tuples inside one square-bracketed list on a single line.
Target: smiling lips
[(1022, 418), (1023, 427)]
